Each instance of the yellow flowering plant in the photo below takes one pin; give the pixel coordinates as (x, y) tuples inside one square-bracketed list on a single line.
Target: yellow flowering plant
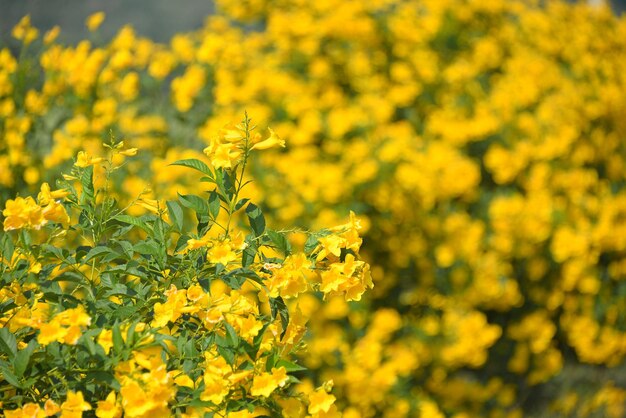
[(481, 143), (188, 309)]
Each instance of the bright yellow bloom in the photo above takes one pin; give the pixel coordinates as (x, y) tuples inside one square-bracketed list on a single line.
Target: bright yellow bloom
[(265, 383), (331, 244), (51, 35), (45, 196), (223, 155), (272, 141), (55, 212), (74, 405), (24, 32), (23, 213), (129, 152), (221, 252), (109, 408), (85, 160), (105, 339), (29, 410), (215, 388), (51, 408), (319, 401), (94, 21)]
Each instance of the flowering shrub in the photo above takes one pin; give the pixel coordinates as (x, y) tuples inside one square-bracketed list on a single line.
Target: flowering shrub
[(155, 315), (482, 142)]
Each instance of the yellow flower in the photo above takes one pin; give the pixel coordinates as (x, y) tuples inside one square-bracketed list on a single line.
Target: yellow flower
[(221, 253), (23, 213), (272, 141), (265, 383), (193, 244), (331, 244), (51, 408), (51, 35), (135, 400), (45, 196), (319, 401), (29, 410), (223, 155), (74, 405), (85, 160), (24, 31), (109, 408), (129, 152), (105, 339), (215, 388), (55, 212), (94, 21)]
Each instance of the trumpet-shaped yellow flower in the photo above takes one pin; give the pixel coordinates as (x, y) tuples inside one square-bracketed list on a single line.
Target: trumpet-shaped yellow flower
[(110, 407), (272, 141), (85, 160), (74, 405), (265, 383), (23, 213), (94, 21)]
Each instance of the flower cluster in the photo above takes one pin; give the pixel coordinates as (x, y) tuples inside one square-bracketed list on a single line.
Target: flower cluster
[(156, 315)]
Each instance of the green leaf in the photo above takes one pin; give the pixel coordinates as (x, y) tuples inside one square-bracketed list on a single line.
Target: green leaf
[(118, 341), (131, 220), (49, 249), (86, 180), (214, 204), (148, 246), (7, 247), (20, 362), (198, 204), (249, 253), (8, 343), (279, 309), (313, 240), (99, 250), (176, 214), (196, 165), (280, 241), (289, 366), (233, 281), (231, 335), (241, 203), (228, 354), (256, 219), (8, 375)]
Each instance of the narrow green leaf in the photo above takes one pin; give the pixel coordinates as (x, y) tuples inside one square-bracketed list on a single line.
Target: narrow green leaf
[(214, 204), (249, 253), (256, 219), (241, 203), (196, 165), (8, 343), (231, 335), (86, 180), (289, 366), (198, 204), (7, 247), (131, 220), (118, 341), (176, 214), (8, 375), (99, 250), (20, 362), (148, 246), (280, 241)]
